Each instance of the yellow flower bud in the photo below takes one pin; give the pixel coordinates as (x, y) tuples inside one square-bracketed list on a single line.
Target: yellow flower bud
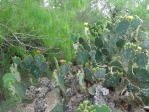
[(139, 48), (130, 17), (85, 24)]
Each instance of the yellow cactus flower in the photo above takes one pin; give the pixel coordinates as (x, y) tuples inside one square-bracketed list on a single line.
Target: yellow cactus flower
[(130, 17), (85, 24), (139, 48)]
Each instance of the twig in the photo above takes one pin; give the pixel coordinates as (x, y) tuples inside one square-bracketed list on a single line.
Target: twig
[(23, 44), (6, 40)]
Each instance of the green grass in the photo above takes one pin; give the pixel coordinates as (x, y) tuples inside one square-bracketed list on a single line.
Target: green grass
[(54, 25), (8, 104)]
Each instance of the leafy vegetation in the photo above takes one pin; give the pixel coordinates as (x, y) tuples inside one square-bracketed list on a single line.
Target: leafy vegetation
[(102, 66)]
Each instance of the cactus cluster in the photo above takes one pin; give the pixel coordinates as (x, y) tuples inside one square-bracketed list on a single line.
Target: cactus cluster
[(111, 67), (115, 56), (85, 106), (12, 82), (36, 65)]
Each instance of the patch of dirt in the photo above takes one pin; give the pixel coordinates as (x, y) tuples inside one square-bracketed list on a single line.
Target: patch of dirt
[(51, 102)]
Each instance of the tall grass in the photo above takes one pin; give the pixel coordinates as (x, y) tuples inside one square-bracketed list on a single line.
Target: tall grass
[(53, 25)]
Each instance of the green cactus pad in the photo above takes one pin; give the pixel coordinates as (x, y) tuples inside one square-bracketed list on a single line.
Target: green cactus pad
[(105, 51), (99, 24), (135, 23), (82, 57), (122, 27), (35, 71), (112, 80), (100, 73), (120, 43), (28, 59), (61, 83), (142, 76), (102, 108), (110, 28), (64, 70), (27, 62), (98, 42), (43, 67), (141, 59), (84, 44), (92, 32), (74, 38), (117, 66), (7, 79), (20, 89), (88, 75), (145, 92), (129, 54), (98, 56), (91, 90), (39, 59), (17, 60), (57, 108), (81, 40), (92, 55)]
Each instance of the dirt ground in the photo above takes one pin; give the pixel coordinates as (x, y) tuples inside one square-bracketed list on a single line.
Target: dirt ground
[(51, 102)]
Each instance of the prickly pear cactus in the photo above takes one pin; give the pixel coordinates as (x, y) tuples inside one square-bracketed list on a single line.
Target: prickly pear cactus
[(12, 82), (102, 108), (135, 23), (98, 42), (118, 53), (112, 80), (122, 27), (85, 106), (59, 77), (84, 43), (141, 59), (36, 65)]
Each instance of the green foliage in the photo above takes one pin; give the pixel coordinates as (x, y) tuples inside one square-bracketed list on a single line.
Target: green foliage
[(8, 104), (42, 27), (98, 42), (142, 77), (84, 44), (7, 79), (141, 59), (36, 66), (89, 74), (102, 108), (86, 107), (120, 43), (122, 27), (100, 72), (12, 82), (116, 57), (108, 56), (135, 23), (112, 80), (82, 57), (57, 108), (59, 77)]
